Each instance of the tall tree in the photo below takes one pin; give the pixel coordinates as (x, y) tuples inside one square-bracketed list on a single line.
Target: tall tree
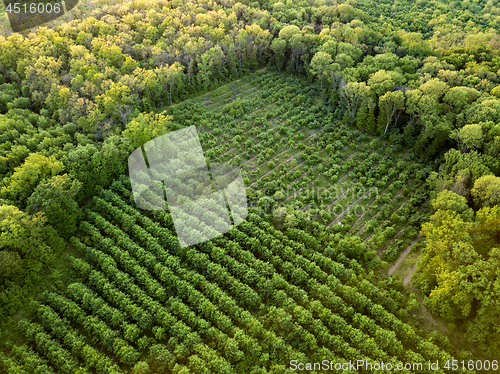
[(56, 198), (173, 76), (365, 117), (353, 94), (486, 191), (298, 49), (320, 64), (412, 108), (145, 127), (392, 103), (189, 53), (278, 46), (292, 35)]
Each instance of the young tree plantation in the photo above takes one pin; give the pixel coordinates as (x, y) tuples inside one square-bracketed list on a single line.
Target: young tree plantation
[(367, 135)]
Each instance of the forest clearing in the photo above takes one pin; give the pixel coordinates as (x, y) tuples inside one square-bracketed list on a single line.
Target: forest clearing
[(361, 139)]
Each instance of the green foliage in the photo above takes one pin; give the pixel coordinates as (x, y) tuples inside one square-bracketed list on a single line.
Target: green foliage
[(458, 268), (145, 127), (22, 183), (383, 81), (470, 137), (79, 98), (486, 191), (447, 200), (10, 262), (56, 198)]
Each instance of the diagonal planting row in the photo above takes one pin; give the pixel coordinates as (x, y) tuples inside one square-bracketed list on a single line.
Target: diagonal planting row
[(246, 301), (255, 292), (215, 307), (276, 146), (277, 257)]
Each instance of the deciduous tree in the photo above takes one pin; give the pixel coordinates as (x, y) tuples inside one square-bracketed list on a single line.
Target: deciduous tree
[(486, 191), (145, 127), (56, 198), (353, 94), (320, 63), (392, 103), (35, 169)]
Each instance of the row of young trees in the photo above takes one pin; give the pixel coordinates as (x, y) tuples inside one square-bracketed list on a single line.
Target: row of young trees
[(261, 235), (71, 99), (468, 170), (25, 360), (144, 296)]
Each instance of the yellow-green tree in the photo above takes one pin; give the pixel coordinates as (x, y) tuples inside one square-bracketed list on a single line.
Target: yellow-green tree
[(392, 104), (35, 168), (319, 65), (353, 94), (145, 127), (470, 137), (21, 232), (486, 191), (383, 81), (459, 270), (434, 87)]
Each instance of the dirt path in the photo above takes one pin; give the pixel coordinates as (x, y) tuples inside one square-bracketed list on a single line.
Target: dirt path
[(407, 278), (433, 323), (403, 255)]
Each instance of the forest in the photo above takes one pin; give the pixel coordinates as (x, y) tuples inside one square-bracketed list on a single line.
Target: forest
[(368, 139)]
